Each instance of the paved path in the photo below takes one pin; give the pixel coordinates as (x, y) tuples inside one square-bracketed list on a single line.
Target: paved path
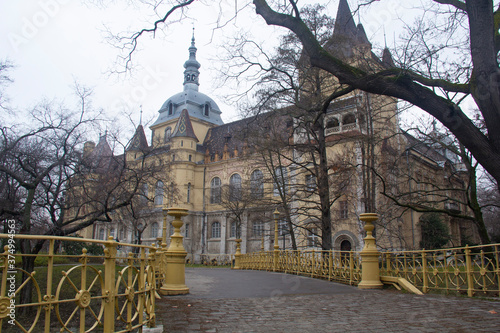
[(224, 300)]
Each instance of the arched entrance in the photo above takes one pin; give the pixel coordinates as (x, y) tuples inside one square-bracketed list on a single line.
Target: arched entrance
[(345, 245)]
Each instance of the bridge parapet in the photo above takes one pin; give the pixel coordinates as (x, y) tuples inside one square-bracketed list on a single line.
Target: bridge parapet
[(78, 292)]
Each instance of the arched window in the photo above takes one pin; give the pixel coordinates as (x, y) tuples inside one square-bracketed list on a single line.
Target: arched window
[(348, 119), (188, 199), (154, 230), (168, 134), (121, 234), (215, 190), (257, 184), (216, 230), (206, 111), (112, 232), (258, 228), (235, 187), (170, 109), (101, 233), (280, 181), (332, 122), (159, 193)]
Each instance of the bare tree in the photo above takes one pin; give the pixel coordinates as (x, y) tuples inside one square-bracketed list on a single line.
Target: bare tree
[(5, 66), (432, 93), (451, 191), (49, 187)]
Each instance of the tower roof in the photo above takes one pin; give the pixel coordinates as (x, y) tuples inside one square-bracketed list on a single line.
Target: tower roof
[(196, 103), (138, 141), (184, 128), (192, 67), (344, 22)]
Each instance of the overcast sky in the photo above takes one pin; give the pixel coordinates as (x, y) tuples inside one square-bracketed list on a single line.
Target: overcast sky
[(54, 43)]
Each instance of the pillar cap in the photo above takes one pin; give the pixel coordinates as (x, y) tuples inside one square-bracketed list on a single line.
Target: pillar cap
[(173, 211), (368, 217)]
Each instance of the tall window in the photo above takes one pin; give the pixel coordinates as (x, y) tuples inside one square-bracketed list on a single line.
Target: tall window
[(101, 233), (170, 109), (145, 192), (311, 182), (159, 193), (122, 233), (281, 181), (112, 232), (282, 227), (215, 190), (154, 230), (343, 210), (312, 237), (235, 187), (216, 230), (186, 230), (207, 110), (258, 228), (257, 184), (234, 229), (168, 134), (188, 193)]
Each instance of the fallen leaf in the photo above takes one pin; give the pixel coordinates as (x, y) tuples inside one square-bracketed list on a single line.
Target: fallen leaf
[(492, 311)]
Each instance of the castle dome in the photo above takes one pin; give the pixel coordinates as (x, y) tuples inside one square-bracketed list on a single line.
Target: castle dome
[(196, 103)]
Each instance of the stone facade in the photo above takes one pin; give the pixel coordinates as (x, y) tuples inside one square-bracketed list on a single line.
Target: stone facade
[(206, 157)]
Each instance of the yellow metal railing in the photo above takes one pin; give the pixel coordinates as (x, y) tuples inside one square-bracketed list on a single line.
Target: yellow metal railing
[(337, 266), (97, 293), (471, 270)]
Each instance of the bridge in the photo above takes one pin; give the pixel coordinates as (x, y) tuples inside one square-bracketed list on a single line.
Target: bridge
[(275, 290), (225, 300)]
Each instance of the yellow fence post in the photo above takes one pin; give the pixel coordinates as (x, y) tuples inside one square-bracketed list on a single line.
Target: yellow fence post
[(470, 278), (49, 297), (370, 270), (237, 255), (175, 277), (425, 281), (276, 215), (388, 263), (109, 285), (351, 268), (330, 265)]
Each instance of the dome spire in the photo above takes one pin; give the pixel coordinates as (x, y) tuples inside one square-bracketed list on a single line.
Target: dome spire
[(191, 72)]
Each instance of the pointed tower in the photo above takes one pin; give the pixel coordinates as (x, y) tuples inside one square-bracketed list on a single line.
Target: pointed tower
[(203, 111), (344, 22), (192, 67), (138, 145), (348, 39)]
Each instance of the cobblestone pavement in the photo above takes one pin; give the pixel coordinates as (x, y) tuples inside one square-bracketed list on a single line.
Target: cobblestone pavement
[(223, 300)]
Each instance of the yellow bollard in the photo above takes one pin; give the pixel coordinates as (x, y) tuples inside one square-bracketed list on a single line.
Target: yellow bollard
[(237, 255), (276, 215), (175, 275), (370, 271)]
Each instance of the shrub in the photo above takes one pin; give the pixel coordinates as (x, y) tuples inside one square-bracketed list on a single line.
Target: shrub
[(435, 233)]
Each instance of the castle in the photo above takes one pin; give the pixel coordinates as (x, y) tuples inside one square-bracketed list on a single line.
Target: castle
[(205, 158)]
